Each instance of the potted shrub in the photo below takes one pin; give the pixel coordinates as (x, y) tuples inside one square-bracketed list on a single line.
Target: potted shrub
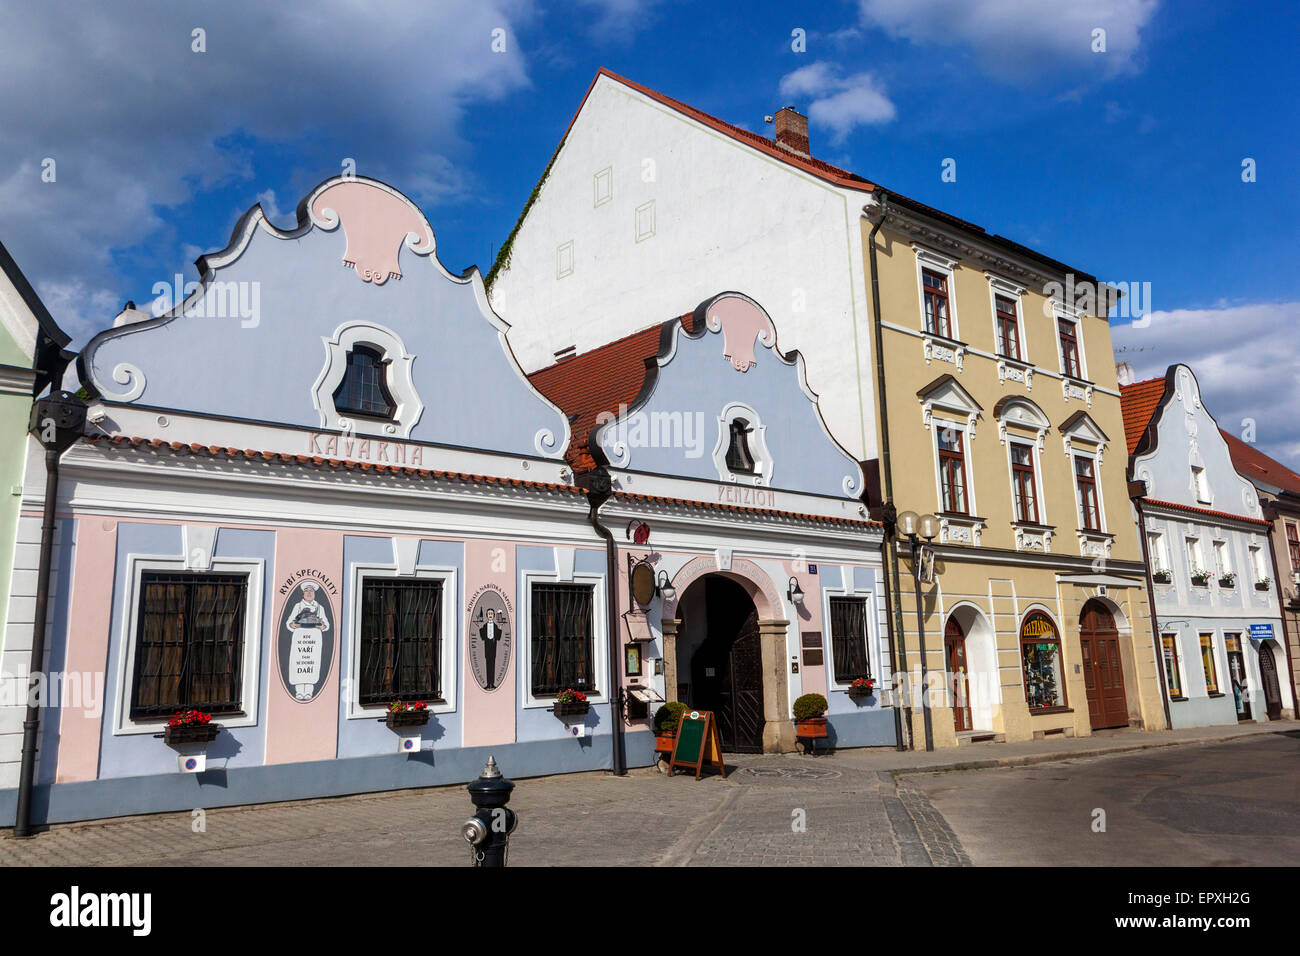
[(1201, 578), (403, 714), (571, 703), (666, 720), (809, 716), (1228, 580), (862, 687), (190, 727), (1263, 584), (1162, 576)]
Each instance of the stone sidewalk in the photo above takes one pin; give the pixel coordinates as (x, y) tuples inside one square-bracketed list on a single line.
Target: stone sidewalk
[(851, 808)]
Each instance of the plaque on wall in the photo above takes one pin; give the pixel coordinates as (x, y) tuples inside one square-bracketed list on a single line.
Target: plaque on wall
[(306, 635), (490, 636)]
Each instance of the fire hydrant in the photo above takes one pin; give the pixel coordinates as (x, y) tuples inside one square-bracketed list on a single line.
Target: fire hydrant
[(488, 830)]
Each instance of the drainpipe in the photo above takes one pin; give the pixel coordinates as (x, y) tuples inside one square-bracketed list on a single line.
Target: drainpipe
[(901, 701), (1281, 611), (56, 422), (599, 490), (1151, 599)]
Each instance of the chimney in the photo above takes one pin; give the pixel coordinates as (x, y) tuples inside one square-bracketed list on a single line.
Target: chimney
[(792, 130)]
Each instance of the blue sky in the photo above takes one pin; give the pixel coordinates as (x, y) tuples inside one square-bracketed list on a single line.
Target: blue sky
[(1125, 163)]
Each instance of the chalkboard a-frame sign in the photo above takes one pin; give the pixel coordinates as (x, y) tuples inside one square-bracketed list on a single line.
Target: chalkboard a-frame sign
[(697, 743)]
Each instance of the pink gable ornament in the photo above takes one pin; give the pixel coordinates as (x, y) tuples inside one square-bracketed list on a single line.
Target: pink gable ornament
[(742, 323), (377, 223)]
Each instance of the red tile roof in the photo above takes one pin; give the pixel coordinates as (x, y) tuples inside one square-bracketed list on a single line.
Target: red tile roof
[(1139, 402), (1203, 511), (1253, 465), (744, 509), (599, 381), (235, 454)]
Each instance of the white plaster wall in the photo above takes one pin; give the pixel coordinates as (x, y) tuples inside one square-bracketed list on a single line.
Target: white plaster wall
[(725, 217)]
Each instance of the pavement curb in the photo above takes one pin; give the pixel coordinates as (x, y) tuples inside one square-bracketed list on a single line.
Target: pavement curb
[(1023, 760)]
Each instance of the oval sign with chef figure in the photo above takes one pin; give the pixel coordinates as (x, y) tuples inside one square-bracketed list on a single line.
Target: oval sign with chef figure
[(306, 636)]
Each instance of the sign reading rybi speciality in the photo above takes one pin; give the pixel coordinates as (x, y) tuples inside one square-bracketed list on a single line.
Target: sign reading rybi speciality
[(305, 644)]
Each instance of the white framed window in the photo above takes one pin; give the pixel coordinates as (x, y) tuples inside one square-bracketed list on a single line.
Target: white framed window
[(740, 453), (564, 640), (365, 385), (1173, 665), (1195, 557), (1201, 485), (166, 605), (1158, 551), (1008, 319), (936, 293), (1087, 490), (954, 484), (1222, 558), (1069, 343), (850, 635), (392, 625), (1257, 566)]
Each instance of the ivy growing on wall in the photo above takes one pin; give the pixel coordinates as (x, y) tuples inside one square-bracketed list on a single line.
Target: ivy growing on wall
[(502, 262)]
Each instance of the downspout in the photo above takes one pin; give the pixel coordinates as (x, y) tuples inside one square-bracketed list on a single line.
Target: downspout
[(56, 422), (888, 543), (597, 486), (1151, 600)]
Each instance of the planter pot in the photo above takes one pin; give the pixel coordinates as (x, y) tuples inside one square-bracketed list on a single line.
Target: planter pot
[(861, 693), (1227, 583), (1201, 584), (1161, 579), (1261, 587), (407, 718), (811, 728), (573, 709), (191, 734), (664, 743)]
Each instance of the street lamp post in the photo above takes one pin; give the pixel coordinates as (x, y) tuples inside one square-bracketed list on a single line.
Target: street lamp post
[(912, 527)]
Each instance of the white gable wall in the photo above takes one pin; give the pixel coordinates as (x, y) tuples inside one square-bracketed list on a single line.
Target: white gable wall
[(690, 213)]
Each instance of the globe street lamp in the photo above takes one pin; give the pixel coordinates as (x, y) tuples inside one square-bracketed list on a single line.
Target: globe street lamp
[(911, 528)]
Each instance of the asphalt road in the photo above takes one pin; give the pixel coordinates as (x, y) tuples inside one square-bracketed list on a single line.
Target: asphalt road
[(1225, 804)]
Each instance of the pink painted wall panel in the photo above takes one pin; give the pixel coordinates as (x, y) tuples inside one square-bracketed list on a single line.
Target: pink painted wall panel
[(489, 716)]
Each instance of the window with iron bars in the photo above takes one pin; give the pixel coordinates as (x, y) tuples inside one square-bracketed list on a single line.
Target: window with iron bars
[(401, 640), (189, 644), (561, 638), (849, 639)]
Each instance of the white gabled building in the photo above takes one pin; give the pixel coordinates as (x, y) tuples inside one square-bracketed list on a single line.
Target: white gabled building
[(650, 206)]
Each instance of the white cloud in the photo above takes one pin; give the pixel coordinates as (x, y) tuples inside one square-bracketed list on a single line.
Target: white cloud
[(840, 104), (618, 20), (137, 122), (1246, 358), (1016, 39)]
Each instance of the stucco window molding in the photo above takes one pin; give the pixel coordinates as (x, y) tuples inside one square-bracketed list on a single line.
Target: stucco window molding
[(960, 529), (524, 636), (999, 286), (757, 444), (1080, 435), (1030, 537), (944, 350), (1009, 370), (944, 395), (945, 266), (400, 384)]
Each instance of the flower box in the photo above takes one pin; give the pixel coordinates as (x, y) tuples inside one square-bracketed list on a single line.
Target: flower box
[(407, 718), (1162, 577), (1261, 585), (860, 690), (1201, 580), (571, 708), (1229, 581), (811, 728), (191, 733)]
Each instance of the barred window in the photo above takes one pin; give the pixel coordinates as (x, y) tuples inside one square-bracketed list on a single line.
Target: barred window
[(364, 389), (849, 639), (401, 640), (562, 638), (189, 644)]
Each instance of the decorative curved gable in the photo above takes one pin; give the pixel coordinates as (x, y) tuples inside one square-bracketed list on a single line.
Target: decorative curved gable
[(264, 336), (727, 369), (1183, 435)]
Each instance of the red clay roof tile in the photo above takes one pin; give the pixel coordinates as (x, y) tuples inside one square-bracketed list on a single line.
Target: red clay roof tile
[(1253, 463), (1139, 402)]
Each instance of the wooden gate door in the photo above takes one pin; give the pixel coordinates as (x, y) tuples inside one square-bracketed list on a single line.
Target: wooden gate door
[(1103, 668), (1268, 676), (954, 643), (737, 651)]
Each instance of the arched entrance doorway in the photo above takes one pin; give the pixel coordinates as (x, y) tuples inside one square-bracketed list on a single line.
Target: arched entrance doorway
[(1268, 677), (719, 651), (1103, 670), (954, 646)]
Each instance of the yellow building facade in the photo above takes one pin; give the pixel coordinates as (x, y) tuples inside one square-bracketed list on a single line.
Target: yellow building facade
[(999, 414)]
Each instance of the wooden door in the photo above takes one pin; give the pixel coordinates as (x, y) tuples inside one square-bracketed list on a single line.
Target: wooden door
[(1103, 668), (730, 662), (954, 644), (1268, 677)]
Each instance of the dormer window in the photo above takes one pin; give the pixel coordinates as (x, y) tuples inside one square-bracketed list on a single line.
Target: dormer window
[(739, 458), (364, 389)]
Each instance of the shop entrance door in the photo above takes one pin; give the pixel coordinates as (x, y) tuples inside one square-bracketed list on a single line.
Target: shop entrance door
[(954, 643), (727, 670), (1268, 677), (1237, 673), (1103, 670)]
